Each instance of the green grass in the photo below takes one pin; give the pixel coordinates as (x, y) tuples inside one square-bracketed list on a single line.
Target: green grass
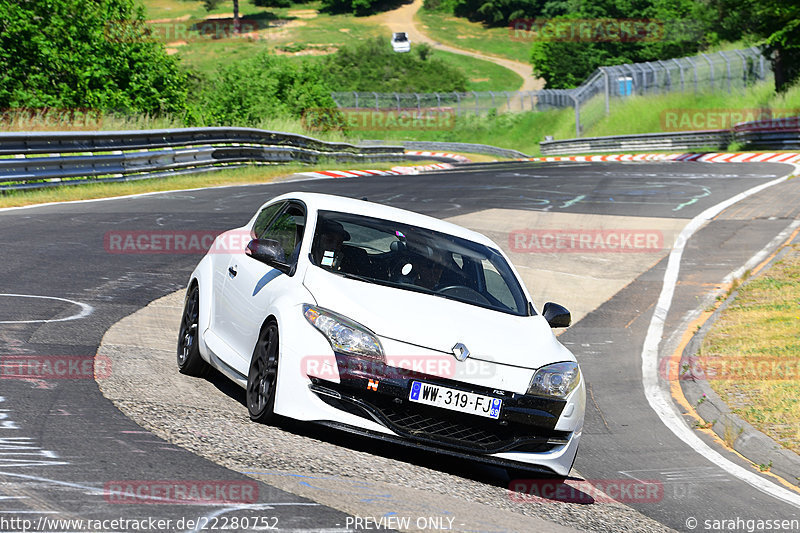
[(756, 337), (60, 121), (639, 114), (461, 33), (519, 131), (649, 114), (482, 75), (172, 9), (282, 30)]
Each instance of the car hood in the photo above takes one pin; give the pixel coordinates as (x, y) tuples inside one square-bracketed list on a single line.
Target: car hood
[(437, 323)]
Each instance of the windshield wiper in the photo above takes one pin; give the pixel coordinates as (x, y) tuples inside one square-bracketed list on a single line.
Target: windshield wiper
[(356, 276)]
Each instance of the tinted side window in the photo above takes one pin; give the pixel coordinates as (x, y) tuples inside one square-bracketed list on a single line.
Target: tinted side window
[(287, 229), (264, 218)]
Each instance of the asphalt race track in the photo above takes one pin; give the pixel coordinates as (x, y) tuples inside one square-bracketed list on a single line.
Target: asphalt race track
[(64, 446)]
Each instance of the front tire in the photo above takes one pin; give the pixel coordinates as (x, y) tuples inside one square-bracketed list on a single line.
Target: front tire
[(262, 378), (190, 362)]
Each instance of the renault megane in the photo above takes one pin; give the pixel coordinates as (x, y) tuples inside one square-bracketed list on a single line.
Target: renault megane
[(389, 324)]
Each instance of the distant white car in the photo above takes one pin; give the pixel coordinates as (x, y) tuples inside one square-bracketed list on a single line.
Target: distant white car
[(400, 42), (386, 323)]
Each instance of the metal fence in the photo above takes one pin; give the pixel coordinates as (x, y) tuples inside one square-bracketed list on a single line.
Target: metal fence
[(643, 142), (45, 159), (472, 102), (721, 71)]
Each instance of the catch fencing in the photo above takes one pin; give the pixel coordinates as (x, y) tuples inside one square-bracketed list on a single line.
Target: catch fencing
[(721, 71)]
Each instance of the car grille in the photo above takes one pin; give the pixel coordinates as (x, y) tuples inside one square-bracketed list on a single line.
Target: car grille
[(464, 431), (467, 433)]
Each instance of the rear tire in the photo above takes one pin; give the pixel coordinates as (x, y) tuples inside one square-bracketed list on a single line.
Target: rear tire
[(190, 362), (262, 378)]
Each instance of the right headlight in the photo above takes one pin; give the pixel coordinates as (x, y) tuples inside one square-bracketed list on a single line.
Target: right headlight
[(344, 335), (557, 380)]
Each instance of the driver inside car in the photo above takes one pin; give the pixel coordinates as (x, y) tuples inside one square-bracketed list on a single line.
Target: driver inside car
[(327, 251), (436, 269)]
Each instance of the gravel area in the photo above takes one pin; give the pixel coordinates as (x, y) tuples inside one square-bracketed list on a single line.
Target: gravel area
[(360, 476)]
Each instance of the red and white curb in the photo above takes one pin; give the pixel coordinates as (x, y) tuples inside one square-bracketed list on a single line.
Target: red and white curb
[(422, 168), (395, 171), (448, 155), (711, 157)]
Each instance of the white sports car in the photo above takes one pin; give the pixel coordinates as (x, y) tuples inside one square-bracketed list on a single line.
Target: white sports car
[(386, 323), (400, 42)]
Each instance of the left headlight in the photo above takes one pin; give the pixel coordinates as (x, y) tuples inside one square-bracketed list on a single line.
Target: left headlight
[(344, 335), (558, 380)]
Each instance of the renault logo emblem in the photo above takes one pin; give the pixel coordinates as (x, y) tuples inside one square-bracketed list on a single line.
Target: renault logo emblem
[(460, 352)]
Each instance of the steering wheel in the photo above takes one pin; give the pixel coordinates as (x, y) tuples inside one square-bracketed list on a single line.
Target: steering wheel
[(464, 293)]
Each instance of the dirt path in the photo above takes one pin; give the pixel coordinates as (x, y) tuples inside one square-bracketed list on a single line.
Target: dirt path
[(402, 19)]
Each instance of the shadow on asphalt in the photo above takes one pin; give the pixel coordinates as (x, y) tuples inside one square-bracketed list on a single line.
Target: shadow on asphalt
[(547, 487)]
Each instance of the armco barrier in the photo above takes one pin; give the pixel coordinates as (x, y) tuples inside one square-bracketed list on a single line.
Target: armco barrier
[(776, 134), (123, 155), (95, 141), (440, 146), (714, 139)]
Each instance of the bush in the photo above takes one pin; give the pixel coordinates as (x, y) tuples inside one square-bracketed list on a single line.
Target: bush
[(373, 66), (78, 54), (264, 86)]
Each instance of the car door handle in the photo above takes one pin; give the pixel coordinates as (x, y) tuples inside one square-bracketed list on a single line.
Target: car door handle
[(232, 272)]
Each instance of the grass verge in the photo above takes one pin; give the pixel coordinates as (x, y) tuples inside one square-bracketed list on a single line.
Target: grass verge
[(754, 348), (482, 75), (461, 33), (299, 31)]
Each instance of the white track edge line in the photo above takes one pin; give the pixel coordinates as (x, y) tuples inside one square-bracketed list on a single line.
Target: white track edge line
[(659, 397)]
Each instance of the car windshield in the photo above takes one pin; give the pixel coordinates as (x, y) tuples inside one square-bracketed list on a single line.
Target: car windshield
[(416, 259), (400, 37)]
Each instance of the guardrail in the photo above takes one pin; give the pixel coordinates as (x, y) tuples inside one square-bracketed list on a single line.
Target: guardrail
[(714, 139), (776, 134), (441, 146), (60, 157)]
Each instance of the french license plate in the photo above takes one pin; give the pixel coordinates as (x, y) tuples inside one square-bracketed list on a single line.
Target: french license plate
[(455, 400)]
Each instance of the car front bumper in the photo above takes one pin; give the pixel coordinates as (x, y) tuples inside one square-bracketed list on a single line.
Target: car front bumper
[(524, 433)]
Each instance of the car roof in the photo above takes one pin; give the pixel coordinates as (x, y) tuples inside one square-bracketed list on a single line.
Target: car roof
[(329, 202)]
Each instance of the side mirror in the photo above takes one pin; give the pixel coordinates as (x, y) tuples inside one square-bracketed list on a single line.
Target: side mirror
[(556, 315), (269, 252)]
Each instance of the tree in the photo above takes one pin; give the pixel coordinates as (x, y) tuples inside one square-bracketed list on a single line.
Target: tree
[(94, 54), (590, 34), (212, 4), (775, 22)]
